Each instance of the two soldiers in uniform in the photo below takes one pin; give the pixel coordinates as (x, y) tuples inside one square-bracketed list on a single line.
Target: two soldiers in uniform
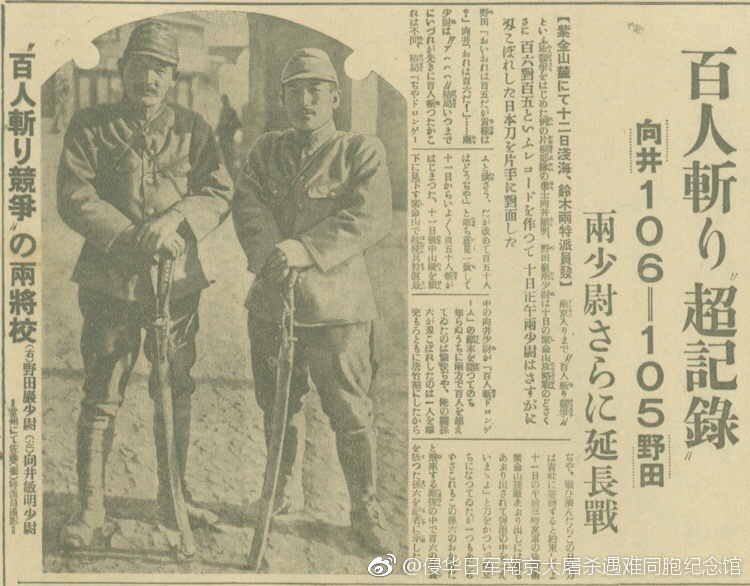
[(144, 178)]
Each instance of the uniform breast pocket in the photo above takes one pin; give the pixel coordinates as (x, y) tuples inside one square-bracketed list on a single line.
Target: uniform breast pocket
[(177, 174), (127, 164), (180, 167), (336, 195), (274, 193), (119, 178), (327, 190)]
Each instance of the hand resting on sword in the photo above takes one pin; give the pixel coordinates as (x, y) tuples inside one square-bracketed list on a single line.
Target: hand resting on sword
[(289, 254), (160, 237)]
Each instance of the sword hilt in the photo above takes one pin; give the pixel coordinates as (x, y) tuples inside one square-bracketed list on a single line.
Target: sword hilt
[(284, 367), (163, 317), (164, 286), (287, 319)]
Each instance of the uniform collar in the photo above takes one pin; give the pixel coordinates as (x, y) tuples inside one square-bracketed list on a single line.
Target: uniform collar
[(153, 131), (313, 141), (160, 118)]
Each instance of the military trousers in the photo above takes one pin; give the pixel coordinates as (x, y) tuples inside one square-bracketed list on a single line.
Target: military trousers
[(339, 360), (111, 342)]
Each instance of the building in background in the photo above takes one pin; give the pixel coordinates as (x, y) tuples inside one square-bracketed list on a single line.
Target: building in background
[(241, 55), (370, 106), (206, 70)]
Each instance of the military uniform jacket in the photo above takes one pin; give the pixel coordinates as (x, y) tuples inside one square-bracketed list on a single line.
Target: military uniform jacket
[(332, 194), (116, 172)]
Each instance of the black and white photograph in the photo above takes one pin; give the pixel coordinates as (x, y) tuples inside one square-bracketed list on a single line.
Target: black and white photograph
[(225, 303), (351, 292)]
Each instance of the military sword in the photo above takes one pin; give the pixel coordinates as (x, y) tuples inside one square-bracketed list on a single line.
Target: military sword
[(284, 367), (162, 371)]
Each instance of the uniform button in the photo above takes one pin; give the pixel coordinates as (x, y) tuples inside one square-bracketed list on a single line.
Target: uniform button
[(332, 193), (149, 179), (150, 211)]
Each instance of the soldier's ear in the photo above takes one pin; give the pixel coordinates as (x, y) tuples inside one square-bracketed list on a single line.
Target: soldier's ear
[(175, 74), (121, 65), (336, 96)]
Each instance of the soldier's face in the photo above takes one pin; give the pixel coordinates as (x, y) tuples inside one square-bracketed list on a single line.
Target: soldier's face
[(147, 80), (310, 103)]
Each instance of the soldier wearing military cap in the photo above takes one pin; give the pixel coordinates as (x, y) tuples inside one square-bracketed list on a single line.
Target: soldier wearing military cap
[(314, 198), (137, 179)]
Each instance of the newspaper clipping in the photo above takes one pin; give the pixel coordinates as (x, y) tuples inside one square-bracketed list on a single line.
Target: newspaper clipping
[(361, 293)]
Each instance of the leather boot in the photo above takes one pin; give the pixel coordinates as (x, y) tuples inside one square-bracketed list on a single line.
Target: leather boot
[(358, 456), (182, 419), (290, 497), (95, 436)]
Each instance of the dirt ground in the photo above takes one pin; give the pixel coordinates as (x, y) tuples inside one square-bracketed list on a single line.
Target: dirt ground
[(228, 453)]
